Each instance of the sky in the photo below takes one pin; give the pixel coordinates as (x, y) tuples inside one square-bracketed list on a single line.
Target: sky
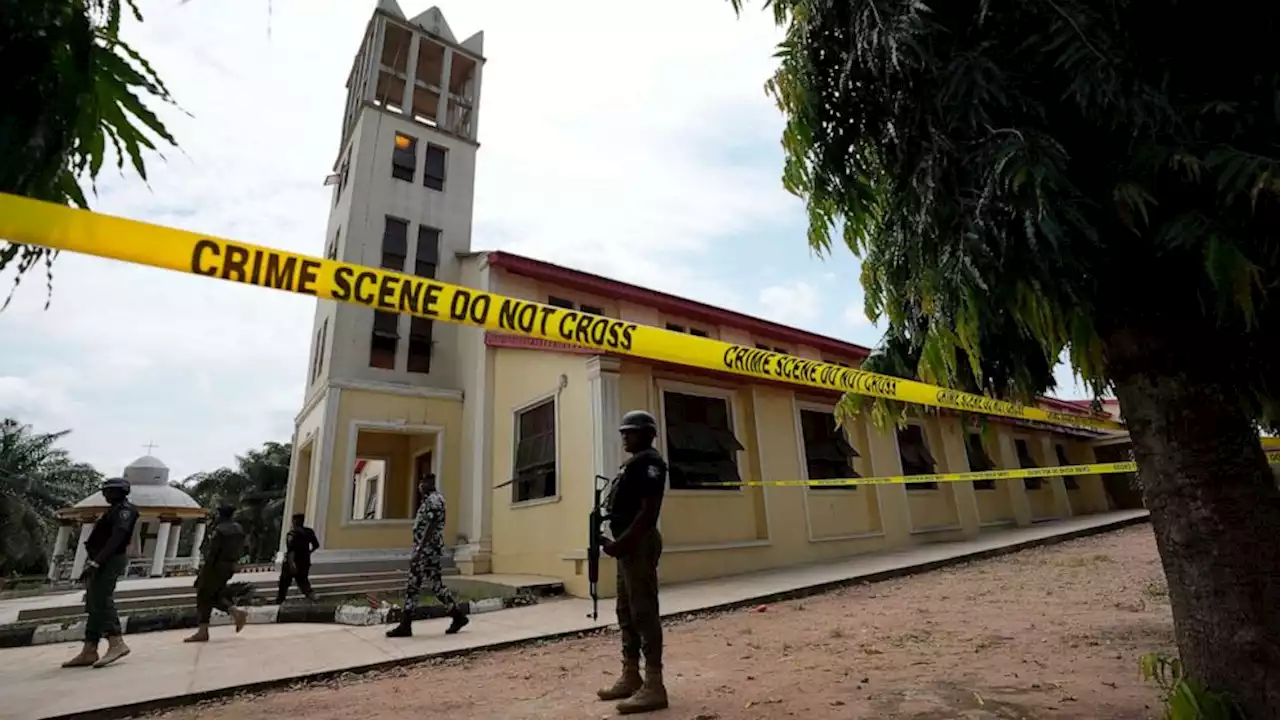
[(641, 132)]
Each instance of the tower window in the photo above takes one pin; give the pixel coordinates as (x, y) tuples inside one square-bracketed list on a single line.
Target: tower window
[(317, 359), (383, 342), (395, 244), (404, 158), (559, 302), (420, 331), (591, 309), (427, 256), (433, 173)]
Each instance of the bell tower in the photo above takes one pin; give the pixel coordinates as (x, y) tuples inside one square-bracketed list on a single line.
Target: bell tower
[(403, 188), (384, 391)]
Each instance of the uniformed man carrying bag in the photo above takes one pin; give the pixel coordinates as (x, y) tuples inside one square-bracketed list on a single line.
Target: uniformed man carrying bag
[(634, 503), (107, 552)]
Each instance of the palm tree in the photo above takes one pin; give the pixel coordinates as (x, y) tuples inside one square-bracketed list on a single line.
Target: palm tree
[(256, 486), (37, 478)]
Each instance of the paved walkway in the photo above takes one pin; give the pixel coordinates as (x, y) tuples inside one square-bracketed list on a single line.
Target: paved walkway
[(162, 668)]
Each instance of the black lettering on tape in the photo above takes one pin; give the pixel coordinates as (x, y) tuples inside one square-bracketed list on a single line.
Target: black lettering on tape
[(342, 283), (479, 313), (363, 293), (565, 325), (233, 266), (280, 271), (460, 305), (388, 296), (308, 274), (202, 249), (628, 334), (546, 313), (411, 296)]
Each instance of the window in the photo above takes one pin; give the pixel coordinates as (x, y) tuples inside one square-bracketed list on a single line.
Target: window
[(331, 253), (1025, 461), (696, 332), (1070, 480), (701, 447), (386, 336), (559, 302), (433, 174), (395, 244), (770, 348), (841, 363), (979, 461), (368, 489), (420, 330), (427, 254), (591, 309), (317, 360), (827, 453), (534, 465), (913, 451), (342, 182), (404, 157)]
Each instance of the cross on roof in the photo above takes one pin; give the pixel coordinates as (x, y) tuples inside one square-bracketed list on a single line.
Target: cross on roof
[(150, 446)]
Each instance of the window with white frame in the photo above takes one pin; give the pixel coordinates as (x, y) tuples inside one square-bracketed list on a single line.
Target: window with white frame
[(979, 460), (701, 446), (1026, 462), (828, 455), (534, 466), (913, 451)]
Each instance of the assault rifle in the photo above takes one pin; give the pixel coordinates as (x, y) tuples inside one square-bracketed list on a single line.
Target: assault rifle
[(595, 526)]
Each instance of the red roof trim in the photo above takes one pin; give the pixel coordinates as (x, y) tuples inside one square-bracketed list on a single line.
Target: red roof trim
[(701, 312), (692, 310)]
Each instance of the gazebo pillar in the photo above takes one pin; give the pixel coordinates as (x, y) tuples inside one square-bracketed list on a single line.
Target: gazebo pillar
[(175, 536), (161, 549), (77, 566), (59, 547), (197, 541)]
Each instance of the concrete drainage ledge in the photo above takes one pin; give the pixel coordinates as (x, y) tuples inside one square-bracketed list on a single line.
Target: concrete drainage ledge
[(27, 634)]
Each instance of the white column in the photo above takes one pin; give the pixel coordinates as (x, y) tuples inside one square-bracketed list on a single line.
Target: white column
[(160, 550), (410, 73), (442, 105), (175, 535), (197, 541), (606, 414), (59, 546), (77, 566), (475, 103)]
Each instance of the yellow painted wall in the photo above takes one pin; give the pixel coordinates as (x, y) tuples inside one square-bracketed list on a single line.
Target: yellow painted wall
[(935, 509), (1041, 500), (994, 507), (846, 512), (303, 479), (534, 536), (370, 406)]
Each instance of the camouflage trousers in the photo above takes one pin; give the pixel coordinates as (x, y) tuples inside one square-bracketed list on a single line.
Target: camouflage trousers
[(424, 569)]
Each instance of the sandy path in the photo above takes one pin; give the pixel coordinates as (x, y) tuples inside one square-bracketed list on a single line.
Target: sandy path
[(1048, 633)]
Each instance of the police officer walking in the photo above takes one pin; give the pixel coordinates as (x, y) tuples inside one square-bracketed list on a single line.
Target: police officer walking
[(425, 563), (107, 551), (634, 503), (298, 546), (221, 558)]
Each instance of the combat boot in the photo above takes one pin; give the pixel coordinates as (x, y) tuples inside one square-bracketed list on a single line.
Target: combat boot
[(240, 617), (404, 629), (200, 635), (626, 685), (116, 649), (88, 656), (651, 696), (459, 621)]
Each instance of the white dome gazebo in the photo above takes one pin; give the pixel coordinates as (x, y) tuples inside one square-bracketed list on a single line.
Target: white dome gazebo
[(162, 512)]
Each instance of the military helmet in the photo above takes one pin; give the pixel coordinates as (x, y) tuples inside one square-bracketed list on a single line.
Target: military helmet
[(117, 484), (638, 420)]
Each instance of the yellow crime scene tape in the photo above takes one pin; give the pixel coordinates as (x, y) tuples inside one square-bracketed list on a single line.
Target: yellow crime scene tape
[(33, 222), (1044, 472)]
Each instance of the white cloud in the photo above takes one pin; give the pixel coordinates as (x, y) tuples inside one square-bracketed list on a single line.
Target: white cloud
[(632, 141), (797, 303), (855, 315)]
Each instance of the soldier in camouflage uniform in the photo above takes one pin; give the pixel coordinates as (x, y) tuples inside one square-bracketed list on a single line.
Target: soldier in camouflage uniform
[(425, 563)]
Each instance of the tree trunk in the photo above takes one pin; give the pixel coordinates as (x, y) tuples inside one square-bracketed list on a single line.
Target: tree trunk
[(1215, 510)]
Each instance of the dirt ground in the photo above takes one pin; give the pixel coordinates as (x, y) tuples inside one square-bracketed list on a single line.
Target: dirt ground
[(1048, 633)]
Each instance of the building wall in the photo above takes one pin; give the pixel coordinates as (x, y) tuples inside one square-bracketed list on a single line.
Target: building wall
[(385, 412), (536, 536)]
